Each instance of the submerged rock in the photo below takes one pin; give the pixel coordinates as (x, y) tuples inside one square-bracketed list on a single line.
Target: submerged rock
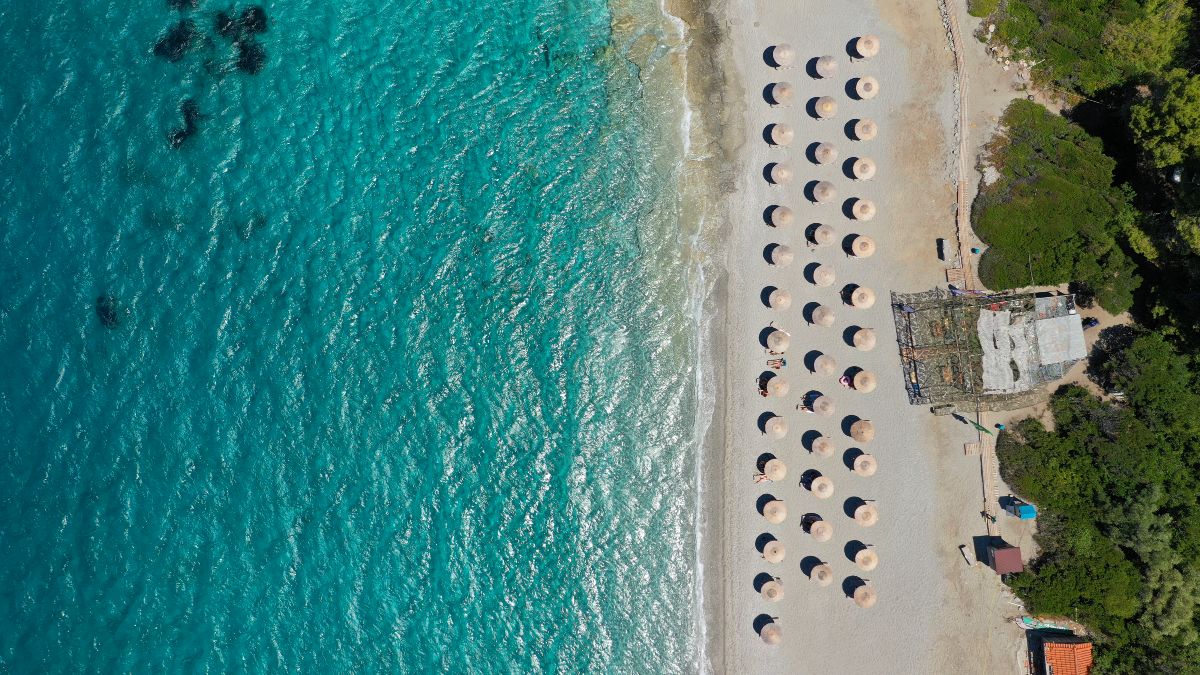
[(225, 26), (176, 42), (191, 118), (251, 56), (254, 20), (182, 4), (107, 311)]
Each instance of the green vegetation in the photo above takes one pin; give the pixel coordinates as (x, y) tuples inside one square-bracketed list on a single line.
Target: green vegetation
[(982, 8), (1054, 214), (1168, 126)]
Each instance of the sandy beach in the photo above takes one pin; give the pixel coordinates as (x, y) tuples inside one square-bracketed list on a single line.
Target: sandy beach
[(934, 613)]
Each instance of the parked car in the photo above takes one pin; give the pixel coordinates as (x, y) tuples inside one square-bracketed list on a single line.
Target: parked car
[(1091, 322)]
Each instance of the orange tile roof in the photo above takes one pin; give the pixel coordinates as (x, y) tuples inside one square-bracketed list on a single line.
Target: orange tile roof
[(1066, 658)]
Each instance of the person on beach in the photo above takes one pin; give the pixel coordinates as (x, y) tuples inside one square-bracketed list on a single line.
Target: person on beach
[(845, 382), (777, 363)]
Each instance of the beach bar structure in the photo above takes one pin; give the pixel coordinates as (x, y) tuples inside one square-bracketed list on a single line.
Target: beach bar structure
[(1005, 559)]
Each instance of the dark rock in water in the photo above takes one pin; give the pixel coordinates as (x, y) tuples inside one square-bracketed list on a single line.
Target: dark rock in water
[(177, 137), (254, 20), (225, 26), (107, 311), (191, 116), (175, 43), (182, 4), (251, 56)]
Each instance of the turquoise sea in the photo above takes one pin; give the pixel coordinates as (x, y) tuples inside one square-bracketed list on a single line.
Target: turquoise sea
[(390, 366)]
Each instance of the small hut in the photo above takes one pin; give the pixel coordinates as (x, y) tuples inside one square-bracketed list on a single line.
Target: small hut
[(863, 168), (866, 87), (783, 55), (825, 153), (826, 67), (864, 339), (771, 591), (865, 596), (866, 559), (776, 427), (780, 173), (821, 575), (862, 431), (779, 299), (824, 447), (824, 276), (866, 46), (864, 381), (774, 552), (825, 107), (862, 246), (865, 129), (775, 470), (782, 216), (778, 341), (775, 512), (866, 515), (821, 487), (782, 134), (863, 209), (781, 92), (782, 255), (862, 298), (824, 192), (823, 316), (823, 235), (865, 465)]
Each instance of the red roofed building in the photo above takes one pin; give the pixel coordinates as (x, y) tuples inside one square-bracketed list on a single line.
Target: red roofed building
[(1066, 655), (1005, 559)]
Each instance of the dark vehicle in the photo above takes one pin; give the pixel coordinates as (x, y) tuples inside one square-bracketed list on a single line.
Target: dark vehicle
[(1091, 322)]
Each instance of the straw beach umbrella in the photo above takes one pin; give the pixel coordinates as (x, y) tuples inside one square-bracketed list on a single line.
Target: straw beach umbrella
[(865, 596), (865, 129), (771, 634), (825, 153), (824, 276), (826, 67), (864, 381), (824, 192), (863, 431), (821, 575), (824, 447), (772, 591), (782, 55), (864, 339), (782, 134), (862, 298), (826, 107), (866, 515), (866, 87), (821, 530), (779, 299), (775, 470), (862, 246), (776, 427), (823, 316), (782, 216), (774, 552), (782, 256), (823, 235), (778, 341), (825, 365), (823, 406), (781, 92), (865, 465), (778, 387), (863, 168), (821, 487), (866, 560), (781, 174), (866, 46), (775, 512), (863, 209)]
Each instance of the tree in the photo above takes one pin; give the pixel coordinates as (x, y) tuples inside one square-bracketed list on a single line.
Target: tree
[(1148, 44), (1168, 126)]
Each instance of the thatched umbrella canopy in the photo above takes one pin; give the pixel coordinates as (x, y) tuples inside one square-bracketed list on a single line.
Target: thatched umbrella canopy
[(771, 591), (782, 134), (824, 447), (865, 465), (824, 276), (866, 515), (779, 299), (824, 192), (821, 487), (865, 129), (771, 634), (862, 297), (864, 381), (782, 216), (863, 209), (775, 470), (782, 92), (823, 316), (782, 255), (776, 427), (823, 406), (783, 55), (781, 174), (863, 168), (821, 575), (778, 341), (775, 512), (862, 246), (864, 339), (825, 153), (866, 559), (863, 431), (821, 530), (866, 87), (866, 46), (865, 596), (826, 66), (774, 551), (826, 107), (824, 235), (778, 387), (825, 365)]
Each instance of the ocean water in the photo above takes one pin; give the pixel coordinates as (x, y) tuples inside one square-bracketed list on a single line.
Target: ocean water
[(391, 366)]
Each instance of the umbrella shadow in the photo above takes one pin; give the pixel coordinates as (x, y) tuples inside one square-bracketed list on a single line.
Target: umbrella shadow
[(760, 542), (811, 108), (851, 505), (810, 152), (762, 502), (808, 519), (766, 134), (763, 419), (760, 580), (848, 207), (848, 244), (848, 168), (850, 455), (766, 94), (810, 360), (852, 583), (847, 422), (809, 438), (808, 563), (852, 88), (847, 293), (765, 295), (767, 214), (808, 310), (768, 56), (808, 477), (848, 129), (764, 334), (853, 548), (848, 335), (761, 462), (766, 172), (809, 271), (762, 621), (851, 51), (810, 68), (764, 378), (810, 233), (769, 252)]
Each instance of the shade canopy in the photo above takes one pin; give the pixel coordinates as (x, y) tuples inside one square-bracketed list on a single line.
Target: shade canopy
[(782, 92), (825, 153), (781, 174), (864, 596), (778, 386), (864, 339), (821, 487), (775, 511), (823, 406), (776, 427), (778, 341), (771, 634), (779, 299), (782, 255), (866, 87), (862, 246), (824, 192), (824, 447), (775, 470), (825, 365), (866, 46), (823, 316), (821, 530), (865, 465), (863, 168), (826, 107), (823, 275), (783, 55), (774, 552), (866, 515), (824, 235), (865, 129), (866, 559), (862, 431), (864, 381), (826, 66), (782, 216), (863, 209), (771, 591), (862, 297), (782, 134), (821, 575)]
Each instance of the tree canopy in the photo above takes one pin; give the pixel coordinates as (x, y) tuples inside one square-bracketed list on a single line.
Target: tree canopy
[(1168, 125)]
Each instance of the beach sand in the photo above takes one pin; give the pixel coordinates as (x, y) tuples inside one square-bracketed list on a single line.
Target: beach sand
[(934, 614)]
